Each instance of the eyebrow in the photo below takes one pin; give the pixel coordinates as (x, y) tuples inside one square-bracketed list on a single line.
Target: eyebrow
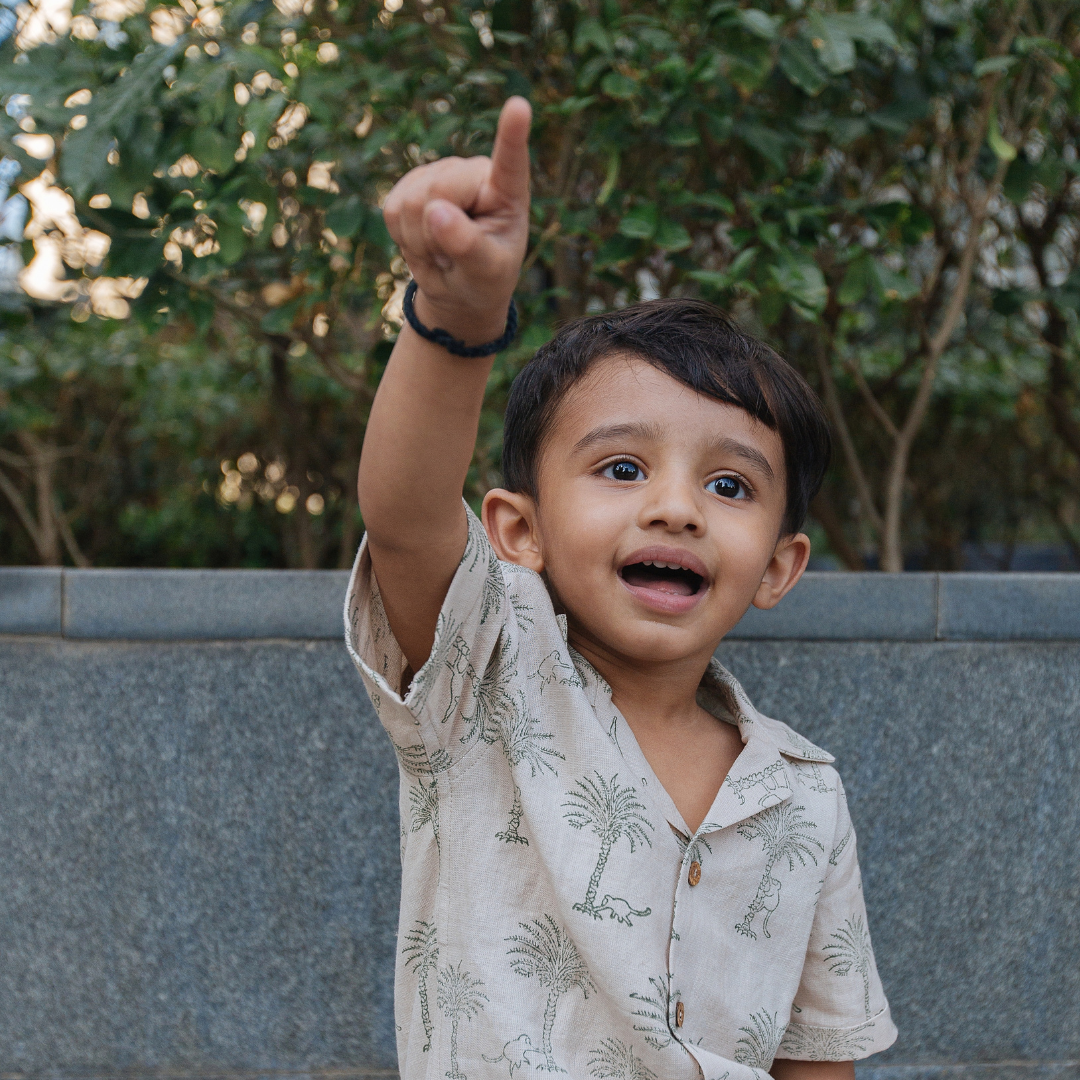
[(636, 430), (749, 454)]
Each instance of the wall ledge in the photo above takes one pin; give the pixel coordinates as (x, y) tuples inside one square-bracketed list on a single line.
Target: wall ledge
[(172, 605)]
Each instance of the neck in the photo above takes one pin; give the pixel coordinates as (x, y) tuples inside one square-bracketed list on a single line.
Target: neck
[(659, 693)]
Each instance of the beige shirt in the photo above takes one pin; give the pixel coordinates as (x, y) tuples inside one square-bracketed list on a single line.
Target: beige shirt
[(556, 912)]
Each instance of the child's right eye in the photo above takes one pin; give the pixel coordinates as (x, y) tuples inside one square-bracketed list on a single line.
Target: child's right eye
[(622, 470)]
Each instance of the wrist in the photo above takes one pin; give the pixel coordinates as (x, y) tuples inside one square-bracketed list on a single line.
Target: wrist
[(469, 325)]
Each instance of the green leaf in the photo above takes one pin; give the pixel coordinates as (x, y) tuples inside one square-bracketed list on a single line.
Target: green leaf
[(770, 144), (136, 257), (617, 249), (715, 201), (82, 162), (742, 263), (671, 236), (610, 180), (682, 136), (891, 285), (992, 64), (374, 229), (800, 279), (715, 279), (1004, 150), (590, 72), (834, 45), (617, 85), (865, 28), (798, 63), (641, 222), (346, 216), (858, 278), (280, 320), (590, 32), (571, 105), (758, 23), (769, 234), (210, 148), (1008, 301), (1018, 180), (233, 243)]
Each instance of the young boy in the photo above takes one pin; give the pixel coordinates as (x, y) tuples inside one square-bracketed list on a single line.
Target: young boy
[(613, 866)]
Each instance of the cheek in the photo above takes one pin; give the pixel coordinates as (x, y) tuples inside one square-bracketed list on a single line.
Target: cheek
[(582, 534)]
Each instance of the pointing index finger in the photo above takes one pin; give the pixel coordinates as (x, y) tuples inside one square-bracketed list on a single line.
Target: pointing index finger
[(510, 155)]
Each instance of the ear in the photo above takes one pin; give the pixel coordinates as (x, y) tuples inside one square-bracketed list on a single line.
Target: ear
[(510, 521), (784, 570)]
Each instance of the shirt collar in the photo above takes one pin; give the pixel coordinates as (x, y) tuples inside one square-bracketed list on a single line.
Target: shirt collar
[(758, 779)]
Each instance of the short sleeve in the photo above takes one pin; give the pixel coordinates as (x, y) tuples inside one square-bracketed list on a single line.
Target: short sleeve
[(840, 1012), (446, 704)]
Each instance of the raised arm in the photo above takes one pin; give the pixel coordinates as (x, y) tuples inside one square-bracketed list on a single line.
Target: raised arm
[(462, 226)]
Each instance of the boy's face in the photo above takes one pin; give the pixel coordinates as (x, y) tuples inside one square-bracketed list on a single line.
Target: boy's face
[(658, 519)]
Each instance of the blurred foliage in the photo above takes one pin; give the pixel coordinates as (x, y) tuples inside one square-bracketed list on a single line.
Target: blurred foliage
[(888, 193)]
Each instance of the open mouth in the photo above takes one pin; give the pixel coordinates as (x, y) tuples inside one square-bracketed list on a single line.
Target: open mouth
[(662, 577)]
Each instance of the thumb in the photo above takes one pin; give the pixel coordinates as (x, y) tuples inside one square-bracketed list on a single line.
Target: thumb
[(510, 155)]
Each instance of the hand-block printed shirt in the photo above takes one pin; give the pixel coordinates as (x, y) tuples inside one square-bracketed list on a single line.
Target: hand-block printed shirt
[(556, 912)]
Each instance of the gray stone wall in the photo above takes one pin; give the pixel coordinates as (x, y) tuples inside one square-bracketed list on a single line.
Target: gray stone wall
[(198, 836)]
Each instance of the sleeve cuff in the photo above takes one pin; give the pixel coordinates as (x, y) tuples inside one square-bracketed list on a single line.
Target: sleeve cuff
[(803, 1042)]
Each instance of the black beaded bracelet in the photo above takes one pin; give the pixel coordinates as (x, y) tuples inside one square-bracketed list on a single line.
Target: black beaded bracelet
[(447, 340)]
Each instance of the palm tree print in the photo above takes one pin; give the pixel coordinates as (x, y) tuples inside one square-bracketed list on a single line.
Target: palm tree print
[(614, 1060), (834, 855), (545, 951), (493, 697), (824, 1044), (494, 590), (654, 1007), (425, 807), (851, 952), (458, 659), (415, 760), (611, 811), (523, 744), (460, 998), (760, 1040), (785, 836), (421, 954)]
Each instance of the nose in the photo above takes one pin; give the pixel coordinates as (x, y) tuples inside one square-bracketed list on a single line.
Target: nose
[(672, 503)]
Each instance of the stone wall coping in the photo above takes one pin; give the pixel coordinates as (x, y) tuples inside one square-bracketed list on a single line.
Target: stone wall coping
[(162, 605)]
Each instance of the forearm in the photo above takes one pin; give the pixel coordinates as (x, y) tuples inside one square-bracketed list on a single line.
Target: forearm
[(416, 454), (788, 1069), (462, 226), (419, 443)]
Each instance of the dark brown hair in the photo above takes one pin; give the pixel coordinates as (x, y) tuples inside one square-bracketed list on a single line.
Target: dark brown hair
[(691, 341)]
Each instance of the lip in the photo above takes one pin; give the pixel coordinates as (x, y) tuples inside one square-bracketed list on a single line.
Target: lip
[(666, 603)]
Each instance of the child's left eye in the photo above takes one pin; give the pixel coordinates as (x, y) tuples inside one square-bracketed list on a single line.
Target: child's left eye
[(728, 486)]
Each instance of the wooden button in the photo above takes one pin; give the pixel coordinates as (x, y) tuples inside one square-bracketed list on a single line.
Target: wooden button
[(695, 873), (680, 1013)]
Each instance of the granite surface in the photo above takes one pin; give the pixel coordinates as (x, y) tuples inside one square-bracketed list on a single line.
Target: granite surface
[(168, 605), (30, 599), (962, 766), (178, 605), (833, 606), (198, 857), (198, 851)]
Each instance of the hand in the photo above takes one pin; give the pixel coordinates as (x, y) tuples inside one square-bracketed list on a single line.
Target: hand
[(463, 226)]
